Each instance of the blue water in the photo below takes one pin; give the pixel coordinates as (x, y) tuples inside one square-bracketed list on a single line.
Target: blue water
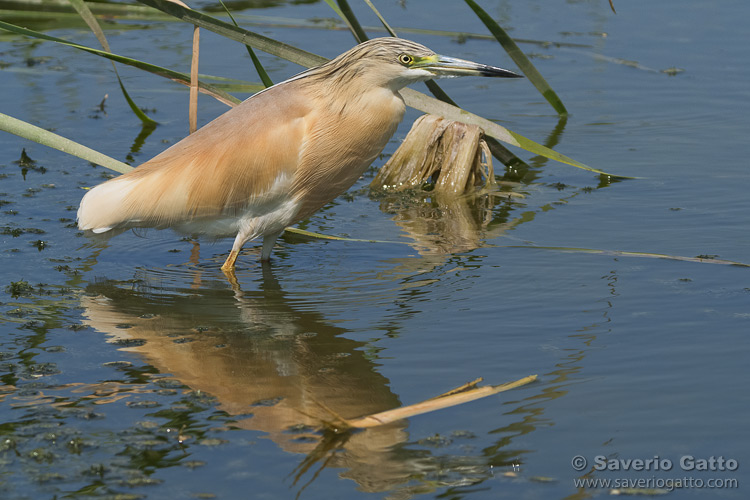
[(132, 369)]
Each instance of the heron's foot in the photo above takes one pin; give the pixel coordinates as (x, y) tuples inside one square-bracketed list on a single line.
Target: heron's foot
[(228, 270), (230, 262)]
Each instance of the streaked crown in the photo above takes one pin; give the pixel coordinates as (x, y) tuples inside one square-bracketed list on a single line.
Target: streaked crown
[(380, 60)]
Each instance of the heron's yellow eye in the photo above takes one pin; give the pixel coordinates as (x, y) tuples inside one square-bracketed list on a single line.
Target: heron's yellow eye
[(405, 59)]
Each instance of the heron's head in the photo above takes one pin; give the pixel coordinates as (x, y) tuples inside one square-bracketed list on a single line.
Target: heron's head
[(396, 63)]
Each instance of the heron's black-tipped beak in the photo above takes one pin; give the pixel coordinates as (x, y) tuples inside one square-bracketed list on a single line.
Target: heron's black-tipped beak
[(451, 66)]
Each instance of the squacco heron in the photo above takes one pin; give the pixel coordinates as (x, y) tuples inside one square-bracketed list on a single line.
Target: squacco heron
[(279, 156)]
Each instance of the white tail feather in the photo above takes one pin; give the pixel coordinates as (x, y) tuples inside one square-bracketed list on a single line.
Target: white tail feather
[(102, 207)]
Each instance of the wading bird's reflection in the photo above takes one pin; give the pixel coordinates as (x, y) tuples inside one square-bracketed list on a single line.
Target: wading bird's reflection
[(259, 355)]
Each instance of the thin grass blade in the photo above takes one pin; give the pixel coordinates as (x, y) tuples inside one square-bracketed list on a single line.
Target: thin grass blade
[(50, 139), (145, 120), (382, 19), (439, 93), (312, 234), (351, 20), (701, 259), (88, 17), (504, 154), (256, 62), (519, 58), (340, 13)]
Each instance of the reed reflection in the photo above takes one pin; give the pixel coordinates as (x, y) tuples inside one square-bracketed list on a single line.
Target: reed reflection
[(444, 225)]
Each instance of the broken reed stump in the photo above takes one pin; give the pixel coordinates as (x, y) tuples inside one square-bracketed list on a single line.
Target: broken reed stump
[(451, 156)]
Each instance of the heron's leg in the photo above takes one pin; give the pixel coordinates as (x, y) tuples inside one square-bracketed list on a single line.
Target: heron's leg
[(228, 269), (268, 241), (231, 259)]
